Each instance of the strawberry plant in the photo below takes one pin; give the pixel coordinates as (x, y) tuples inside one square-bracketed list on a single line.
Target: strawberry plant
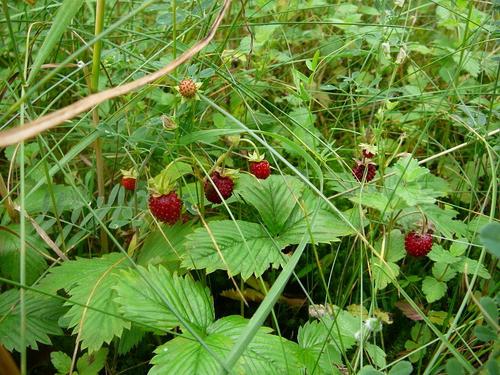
[(252, 187)]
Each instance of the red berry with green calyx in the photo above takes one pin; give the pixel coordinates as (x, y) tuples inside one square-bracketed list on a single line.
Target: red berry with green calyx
[(418, 244), (260, 169), (224, 185), (166, 208), (366, 171), (128, 183)]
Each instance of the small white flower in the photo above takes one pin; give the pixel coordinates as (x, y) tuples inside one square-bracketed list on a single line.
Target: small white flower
[(386, 47), (399, 3)]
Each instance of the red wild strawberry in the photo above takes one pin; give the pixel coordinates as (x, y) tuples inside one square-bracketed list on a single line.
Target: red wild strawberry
[(166, 207), (418, 244), (260, 169), (128, 183), (188, 88), (224, 184), (358, 171), (367, 154)]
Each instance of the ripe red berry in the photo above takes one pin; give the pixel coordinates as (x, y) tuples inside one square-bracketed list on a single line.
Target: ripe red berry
[(367, 154), (418, 244), (260, 169), (188, 88), (224, 184), (128, 183), (166, 207), (358, 171)]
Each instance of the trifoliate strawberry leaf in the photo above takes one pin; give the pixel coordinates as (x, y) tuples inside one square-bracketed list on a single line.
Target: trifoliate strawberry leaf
[(191, 300), (90, 282), (235, 246), (433, 289), (42, 313), (274, 198), (164, 246), (265, 354)]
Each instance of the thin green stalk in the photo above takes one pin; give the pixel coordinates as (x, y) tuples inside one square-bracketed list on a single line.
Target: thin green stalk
[(94, 87), (22, 252)]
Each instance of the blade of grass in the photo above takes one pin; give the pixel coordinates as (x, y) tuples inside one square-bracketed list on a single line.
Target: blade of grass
[(62, 19)]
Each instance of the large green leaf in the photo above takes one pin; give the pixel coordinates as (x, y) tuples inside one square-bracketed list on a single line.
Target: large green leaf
[(10, 254), (242, 247), (266, 354), (42, 314), (164, 246), (490, 237), (249, 248), (90, 282), (274, 198), (140, 301)]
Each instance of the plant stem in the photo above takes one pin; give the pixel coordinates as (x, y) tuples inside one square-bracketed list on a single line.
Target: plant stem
[(94, 87)]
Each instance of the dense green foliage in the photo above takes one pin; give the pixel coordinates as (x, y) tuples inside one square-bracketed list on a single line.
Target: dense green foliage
[(304, 272)]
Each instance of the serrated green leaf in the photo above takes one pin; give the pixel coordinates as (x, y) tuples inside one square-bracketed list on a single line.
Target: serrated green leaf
[(42, 313), (90, 282), (61, 361), (130, 339), (140, 302), (440, 255), (91, 364), (453, 367), (369, 370), (490, 307), (408, 168), (459, 247), (485, 333), (471, 265), (244, 247), (266, 354), (62, 19), (164, 246), (395, 246), (490, 238), (443, 272), (372, 199), (443, 221), (401, 368), (10, 255), (384, 274), (376, 354), (274, 198), (433, 289)]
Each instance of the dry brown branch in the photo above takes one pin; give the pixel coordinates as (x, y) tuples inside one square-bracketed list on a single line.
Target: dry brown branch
[(33, 128)]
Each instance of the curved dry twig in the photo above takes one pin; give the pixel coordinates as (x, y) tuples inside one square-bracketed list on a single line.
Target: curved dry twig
[(33, 128)]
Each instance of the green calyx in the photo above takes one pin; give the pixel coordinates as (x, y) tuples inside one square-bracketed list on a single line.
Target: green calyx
[(255, 157), (129, 173), (166, 180)]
